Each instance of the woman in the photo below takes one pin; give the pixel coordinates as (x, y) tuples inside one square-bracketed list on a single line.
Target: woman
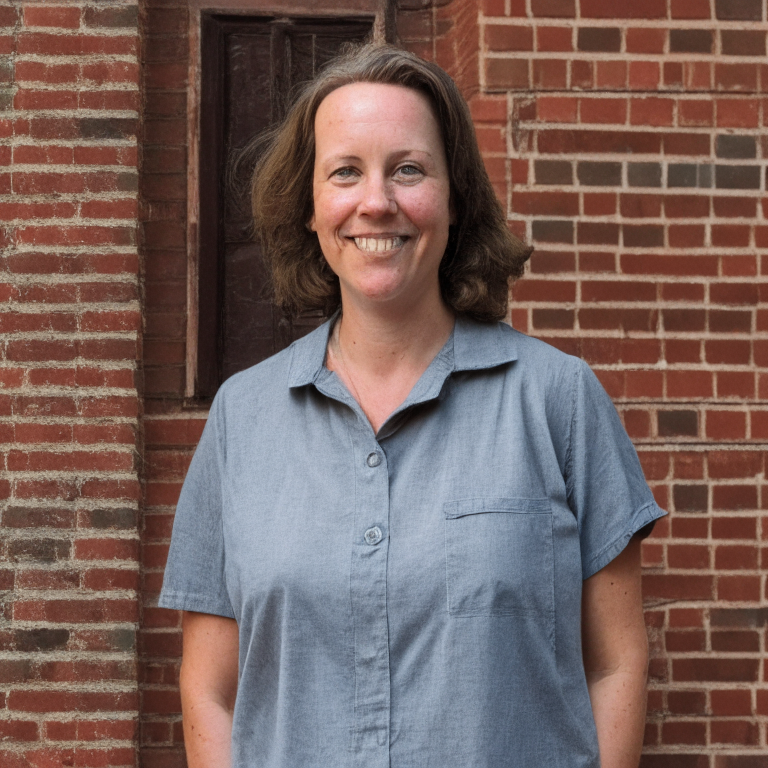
[(409, 539)]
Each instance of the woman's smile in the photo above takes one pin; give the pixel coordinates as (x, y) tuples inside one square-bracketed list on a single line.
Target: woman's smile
[(379, 244)]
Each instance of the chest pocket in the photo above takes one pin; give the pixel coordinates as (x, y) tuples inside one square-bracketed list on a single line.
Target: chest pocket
[(499, 557)]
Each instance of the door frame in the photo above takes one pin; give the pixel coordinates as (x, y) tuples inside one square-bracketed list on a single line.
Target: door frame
[(382, 15)]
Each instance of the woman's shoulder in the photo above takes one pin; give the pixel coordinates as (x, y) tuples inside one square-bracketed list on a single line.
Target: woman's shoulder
[(268, 383), (247, 397), (540, 372), (536, 358), (263, 376)]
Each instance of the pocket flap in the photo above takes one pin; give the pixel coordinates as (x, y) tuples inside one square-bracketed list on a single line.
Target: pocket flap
[(462, 507)]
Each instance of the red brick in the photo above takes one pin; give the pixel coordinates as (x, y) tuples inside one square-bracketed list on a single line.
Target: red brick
[(686, 617), (644, 75), (645, 40), (688, 556), (106, 549), (597, 204), (678, 587), (715, 669), (550, 74), (734, 464), (734, 497), (582, 74), (493, 7), (612, 111), (52, 16), (555, 109), (734, 293), (759, 422), (726, 425), (683, 732), (737, 113), (734, 557), (554, 39), (730, 703), (739, 266), (687, 702), (652, 111), (553, 8), (73, 45), (503, 37), (734, 732), (503, 74), (64, 701), (641, 9), (611, 74), (690, 9), (697, 112)]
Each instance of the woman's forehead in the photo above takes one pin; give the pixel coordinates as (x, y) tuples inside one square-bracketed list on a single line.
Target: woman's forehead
[(360, 107)]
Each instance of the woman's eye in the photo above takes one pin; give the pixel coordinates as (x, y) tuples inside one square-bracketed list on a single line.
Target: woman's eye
[(409, 170), (345, 173)]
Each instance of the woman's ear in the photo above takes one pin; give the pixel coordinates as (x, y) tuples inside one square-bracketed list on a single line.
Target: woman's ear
[(310, 225)]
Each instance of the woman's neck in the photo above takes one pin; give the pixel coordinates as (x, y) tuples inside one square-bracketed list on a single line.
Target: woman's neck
[(382, 344), (380, 357)]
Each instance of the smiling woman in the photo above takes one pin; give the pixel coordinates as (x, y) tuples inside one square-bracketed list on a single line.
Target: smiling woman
[(408, 539)]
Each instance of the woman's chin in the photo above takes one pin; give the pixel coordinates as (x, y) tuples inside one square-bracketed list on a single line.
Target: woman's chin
[(379, 297)]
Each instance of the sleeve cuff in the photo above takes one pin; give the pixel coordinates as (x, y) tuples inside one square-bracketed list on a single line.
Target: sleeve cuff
[(645, 516), (183, 601)]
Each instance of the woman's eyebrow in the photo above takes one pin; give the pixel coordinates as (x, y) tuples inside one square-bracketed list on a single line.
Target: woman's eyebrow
[(342, 159), (356, 158)]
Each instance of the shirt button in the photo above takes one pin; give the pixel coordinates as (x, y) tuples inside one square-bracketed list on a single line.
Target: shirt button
[(373, 535), (373, 459)]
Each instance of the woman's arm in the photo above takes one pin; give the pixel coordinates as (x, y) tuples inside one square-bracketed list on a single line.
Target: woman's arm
[(208, 685), (615, 648)]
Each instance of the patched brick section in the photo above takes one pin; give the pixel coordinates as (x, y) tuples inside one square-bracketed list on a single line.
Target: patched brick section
[(69, 333), (637, 167), (170, 433)]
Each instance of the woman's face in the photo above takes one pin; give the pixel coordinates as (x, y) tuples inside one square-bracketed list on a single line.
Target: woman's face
[(381, 193)]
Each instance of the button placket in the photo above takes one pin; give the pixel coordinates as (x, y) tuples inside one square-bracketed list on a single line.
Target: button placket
[(368, 585)]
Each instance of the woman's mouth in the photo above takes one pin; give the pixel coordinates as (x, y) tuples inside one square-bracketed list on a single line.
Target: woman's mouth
[(379, 244)]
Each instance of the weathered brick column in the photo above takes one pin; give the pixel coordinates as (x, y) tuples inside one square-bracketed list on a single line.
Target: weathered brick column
[(69, 332)]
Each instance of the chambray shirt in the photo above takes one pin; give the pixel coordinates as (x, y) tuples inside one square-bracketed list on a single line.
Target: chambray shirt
[(409, 599)]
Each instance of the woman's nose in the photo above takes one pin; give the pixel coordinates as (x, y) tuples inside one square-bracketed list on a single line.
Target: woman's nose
[(378, 198)]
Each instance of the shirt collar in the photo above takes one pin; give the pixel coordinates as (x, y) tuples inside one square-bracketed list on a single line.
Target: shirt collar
[(476, 346)]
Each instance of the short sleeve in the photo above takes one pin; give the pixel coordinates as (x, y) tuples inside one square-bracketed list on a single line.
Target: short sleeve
[(606, 488), (194, 577)]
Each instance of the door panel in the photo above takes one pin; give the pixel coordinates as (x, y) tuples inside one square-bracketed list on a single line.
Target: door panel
[(259, 64)]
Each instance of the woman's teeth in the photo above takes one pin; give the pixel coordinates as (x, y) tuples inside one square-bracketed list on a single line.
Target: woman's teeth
[(378, 244)]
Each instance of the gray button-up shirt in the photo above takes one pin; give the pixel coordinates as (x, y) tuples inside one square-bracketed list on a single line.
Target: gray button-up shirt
[(409, 599)]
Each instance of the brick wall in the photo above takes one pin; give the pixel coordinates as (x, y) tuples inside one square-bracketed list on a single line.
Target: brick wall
[(69, 322), (632, 138), (631, 151)]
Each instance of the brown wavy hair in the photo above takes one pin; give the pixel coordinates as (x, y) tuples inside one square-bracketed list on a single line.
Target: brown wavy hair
[(482, 255)]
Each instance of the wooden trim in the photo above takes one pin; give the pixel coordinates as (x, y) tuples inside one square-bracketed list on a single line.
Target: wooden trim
[(193, 202), (289, 7)]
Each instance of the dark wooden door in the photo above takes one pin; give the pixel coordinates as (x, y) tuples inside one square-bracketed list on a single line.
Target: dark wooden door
[(250, 67)]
